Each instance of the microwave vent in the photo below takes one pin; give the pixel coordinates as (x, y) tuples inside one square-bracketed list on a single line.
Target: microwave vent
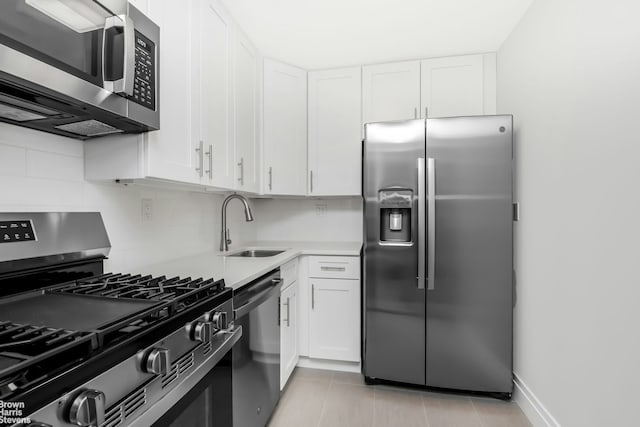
[(89, 128)]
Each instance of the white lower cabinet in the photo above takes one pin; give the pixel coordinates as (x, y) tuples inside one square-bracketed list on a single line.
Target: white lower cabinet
[(334, 308), (288, 332), (334, 320), (288, 326)]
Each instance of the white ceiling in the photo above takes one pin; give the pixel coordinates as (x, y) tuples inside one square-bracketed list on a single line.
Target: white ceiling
[(316, 34)]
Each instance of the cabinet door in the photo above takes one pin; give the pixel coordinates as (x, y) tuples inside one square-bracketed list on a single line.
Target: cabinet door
[(285, 129), (335, 154), (391, 91), (245, 115), (170, 152), (288, 332), (334, 319), (454, 86), (214, 93)]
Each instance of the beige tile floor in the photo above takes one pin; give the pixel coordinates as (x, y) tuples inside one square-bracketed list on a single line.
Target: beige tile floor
[(318, 398)]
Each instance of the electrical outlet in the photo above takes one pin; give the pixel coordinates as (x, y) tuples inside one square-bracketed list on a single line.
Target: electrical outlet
[(321, 209), (147, 209)]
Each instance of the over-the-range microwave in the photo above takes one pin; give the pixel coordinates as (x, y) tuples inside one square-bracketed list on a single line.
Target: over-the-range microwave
[(79, 68)]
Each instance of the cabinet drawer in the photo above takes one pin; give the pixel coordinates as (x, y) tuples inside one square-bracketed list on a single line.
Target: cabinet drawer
[(336, 267), (289, 272)]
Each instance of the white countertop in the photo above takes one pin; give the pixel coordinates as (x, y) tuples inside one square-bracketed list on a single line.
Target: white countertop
[(238, 271)]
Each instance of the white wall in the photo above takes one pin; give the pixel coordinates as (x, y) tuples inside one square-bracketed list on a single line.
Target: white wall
[(42, 172), (570, 74), (307, 219)]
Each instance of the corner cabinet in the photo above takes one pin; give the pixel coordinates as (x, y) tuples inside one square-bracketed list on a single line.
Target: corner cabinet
[(334, 137), (245, 107), (284, 129)]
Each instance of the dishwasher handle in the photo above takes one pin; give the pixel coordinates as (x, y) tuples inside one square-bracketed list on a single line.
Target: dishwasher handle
[(272, 289)]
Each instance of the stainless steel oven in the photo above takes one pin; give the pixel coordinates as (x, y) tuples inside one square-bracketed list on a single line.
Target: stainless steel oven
[(80, 347), (78, 68)]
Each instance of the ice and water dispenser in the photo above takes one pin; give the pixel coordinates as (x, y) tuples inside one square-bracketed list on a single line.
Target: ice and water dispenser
[(395, 214)]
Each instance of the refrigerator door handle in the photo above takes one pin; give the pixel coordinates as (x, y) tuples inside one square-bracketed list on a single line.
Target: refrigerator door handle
[(431, 224), (421, 220)]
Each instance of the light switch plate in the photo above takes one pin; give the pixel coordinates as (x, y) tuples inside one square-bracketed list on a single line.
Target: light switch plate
[(321, 209)]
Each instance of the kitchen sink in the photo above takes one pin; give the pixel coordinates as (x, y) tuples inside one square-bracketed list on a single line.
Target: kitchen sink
[(257, 253)]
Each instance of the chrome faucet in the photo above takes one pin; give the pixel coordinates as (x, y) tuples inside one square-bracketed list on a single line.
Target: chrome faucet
[(225, 239)]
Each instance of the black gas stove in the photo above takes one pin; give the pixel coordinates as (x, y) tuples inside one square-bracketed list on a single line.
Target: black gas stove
[(79, 347)]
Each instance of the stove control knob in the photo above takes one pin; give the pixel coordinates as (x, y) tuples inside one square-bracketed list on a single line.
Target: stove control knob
[(87, 409), (219, 319), (157, 361), (200, 331)]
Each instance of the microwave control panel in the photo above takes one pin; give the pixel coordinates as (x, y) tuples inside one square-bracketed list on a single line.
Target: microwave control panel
[(144, 84), (16, 231)]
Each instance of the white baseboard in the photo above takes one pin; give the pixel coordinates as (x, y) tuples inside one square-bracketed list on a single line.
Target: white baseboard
[(331, 365), (531, 405)]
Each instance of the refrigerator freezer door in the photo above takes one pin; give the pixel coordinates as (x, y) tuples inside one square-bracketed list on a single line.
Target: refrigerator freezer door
[(469, 309), (394, 320)]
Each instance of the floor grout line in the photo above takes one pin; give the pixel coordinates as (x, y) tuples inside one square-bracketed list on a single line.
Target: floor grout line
[(475, 410), (324, 401)]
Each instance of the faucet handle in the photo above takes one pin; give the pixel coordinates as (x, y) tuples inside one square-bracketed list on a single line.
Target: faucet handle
[(228, 237)]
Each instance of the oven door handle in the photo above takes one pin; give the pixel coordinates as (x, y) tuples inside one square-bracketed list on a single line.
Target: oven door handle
[(113, 81), (273, 289)]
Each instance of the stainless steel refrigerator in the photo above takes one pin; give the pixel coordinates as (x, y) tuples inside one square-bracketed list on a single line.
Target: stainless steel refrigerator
[(437, 257)]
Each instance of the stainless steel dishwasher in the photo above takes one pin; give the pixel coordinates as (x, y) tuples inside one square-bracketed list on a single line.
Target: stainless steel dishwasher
[(256, 356)]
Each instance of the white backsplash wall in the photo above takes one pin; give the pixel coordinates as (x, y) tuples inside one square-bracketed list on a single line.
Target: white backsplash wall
[(307, 219), (43, 172)]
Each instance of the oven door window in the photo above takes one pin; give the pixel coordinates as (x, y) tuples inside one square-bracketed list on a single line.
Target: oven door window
[(65, 34), (208, 404)]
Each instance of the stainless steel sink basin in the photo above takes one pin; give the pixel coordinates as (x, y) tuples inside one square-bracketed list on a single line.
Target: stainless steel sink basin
[(257, 253)]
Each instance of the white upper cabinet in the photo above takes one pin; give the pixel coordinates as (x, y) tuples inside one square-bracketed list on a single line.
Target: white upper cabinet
[(391, 91), (214, 93), (170, 152), (247, 150), (335, 153), (458, 86), (194, 144), (284, 129)]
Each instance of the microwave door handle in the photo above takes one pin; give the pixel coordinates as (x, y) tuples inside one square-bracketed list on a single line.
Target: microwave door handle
[(124, 83)]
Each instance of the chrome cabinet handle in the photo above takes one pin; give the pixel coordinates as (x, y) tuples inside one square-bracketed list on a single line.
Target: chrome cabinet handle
[(115, 25), (313, 296), (431, 225), (210, 154), (270, 178), (421, 220), (326, 268), (200, 169), (311, 172), (279, 311), (241, 164), (288, 315)]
